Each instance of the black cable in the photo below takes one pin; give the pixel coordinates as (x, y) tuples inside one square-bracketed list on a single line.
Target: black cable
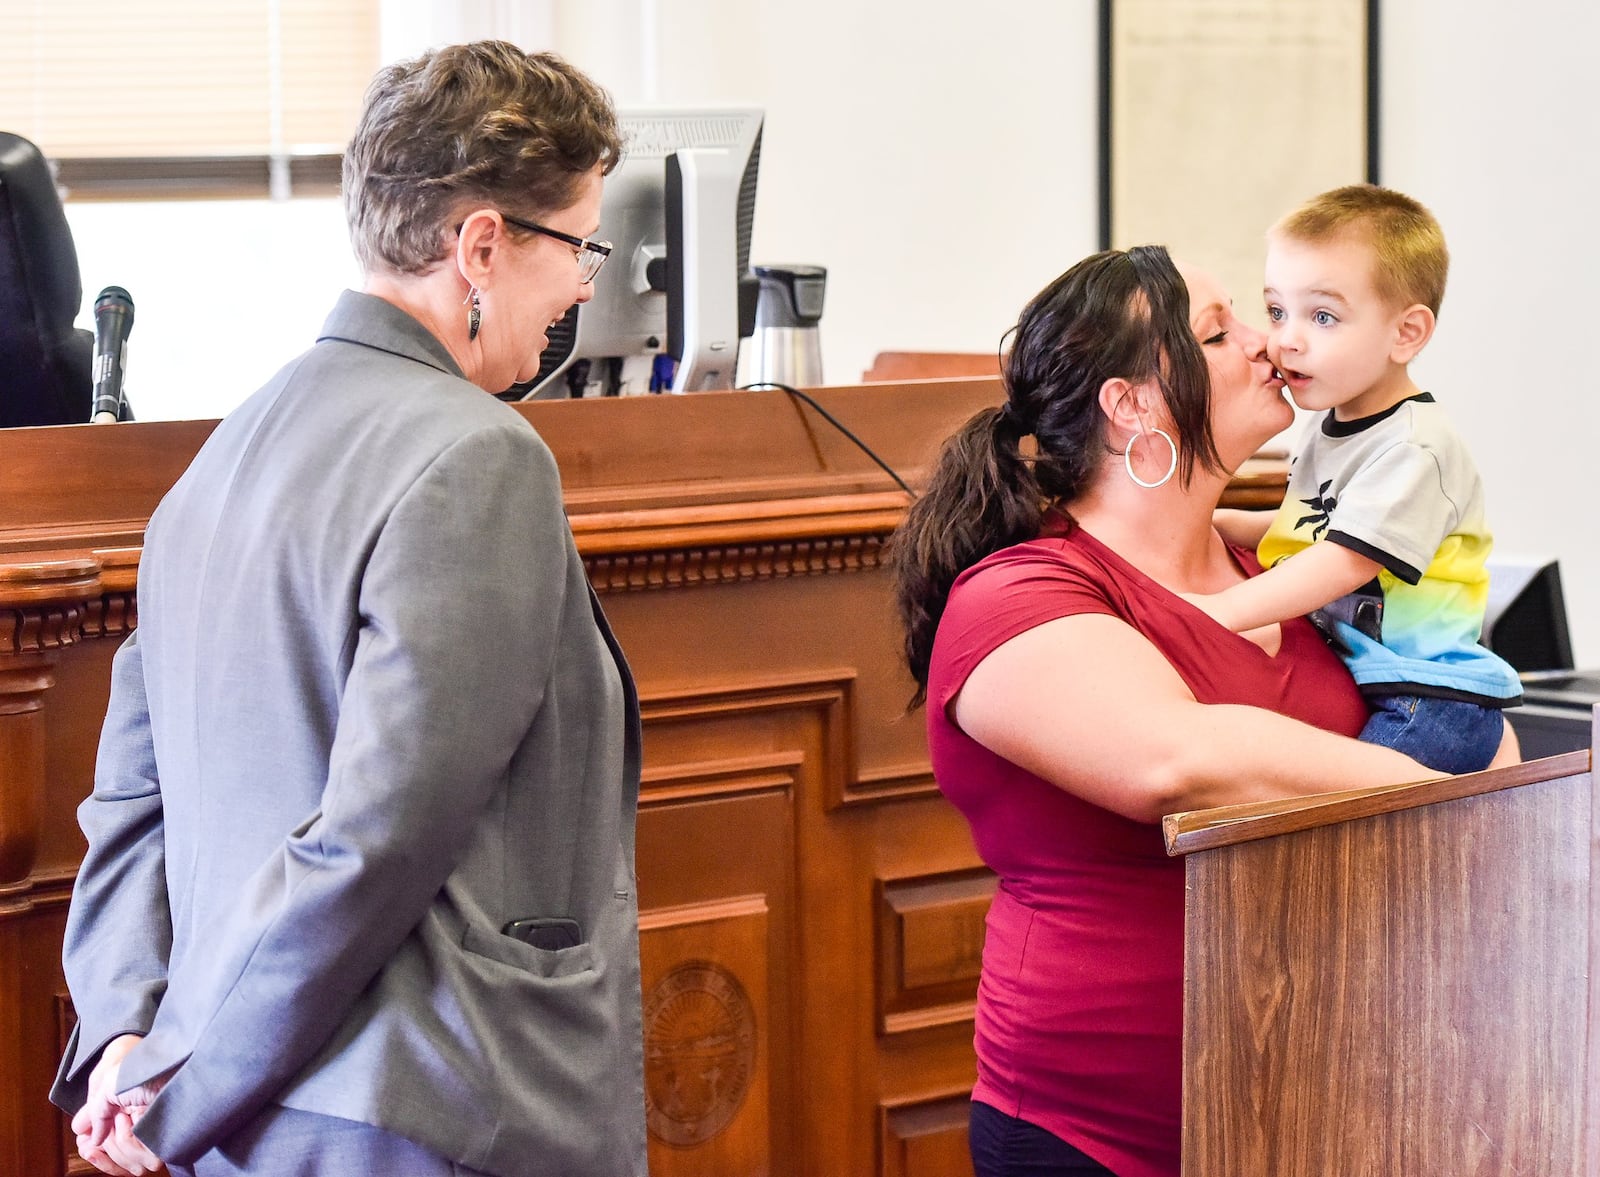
[(834, 421)]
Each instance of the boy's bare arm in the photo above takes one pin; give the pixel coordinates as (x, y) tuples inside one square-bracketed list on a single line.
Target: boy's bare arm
[(1242, 529), (1310, 579)]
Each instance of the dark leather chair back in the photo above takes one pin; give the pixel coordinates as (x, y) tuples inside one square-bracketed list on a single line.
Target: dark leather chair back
[(45, 361)]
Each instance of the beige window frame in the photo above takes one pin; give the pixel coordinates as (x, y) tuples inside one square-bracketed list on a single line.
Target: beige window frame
[(183, 98)]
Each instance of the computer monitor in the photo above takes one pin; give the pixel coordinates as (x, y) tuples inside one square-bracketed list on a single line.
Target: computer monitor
[(678, 294), (1526, 619)]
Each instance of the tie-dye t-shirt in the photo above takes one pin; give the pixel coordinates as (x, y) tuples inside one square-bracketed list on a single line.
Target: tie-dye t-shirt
[(1400, 488)]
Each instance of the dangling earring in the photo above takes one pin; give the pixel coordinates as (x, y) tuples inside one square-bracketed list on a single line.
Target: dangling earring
[(474, 313), (1127, 458)]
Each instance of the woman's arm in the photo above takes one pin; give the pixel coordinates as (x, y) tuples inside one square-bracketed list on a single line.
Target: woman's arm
[(1089, 704)]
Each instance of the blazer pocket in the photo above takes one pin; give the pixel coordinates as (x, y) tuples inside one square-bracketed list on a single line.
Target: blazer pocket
[(541, 962)]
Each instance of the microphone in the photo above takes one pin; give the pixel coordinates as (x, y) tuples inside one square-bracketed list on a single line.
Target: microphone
[(113, 322)]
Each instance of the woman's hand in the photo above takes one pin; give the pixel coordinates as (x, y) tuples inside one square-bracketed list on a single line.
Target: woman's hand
[(104, 1124), (1510, 751)]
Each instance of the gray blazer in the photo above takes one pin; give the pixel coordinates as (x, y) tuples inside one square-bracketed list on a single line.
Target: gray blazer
[(372, 713)]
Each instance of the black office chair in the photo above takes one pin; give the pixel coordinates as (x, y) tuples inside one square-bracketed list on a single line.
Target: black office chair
[(45, 362)]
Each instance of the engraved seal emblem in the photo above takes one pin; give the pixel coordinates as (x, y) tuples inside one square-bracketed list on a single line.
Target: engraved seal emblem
[(699, 1052)]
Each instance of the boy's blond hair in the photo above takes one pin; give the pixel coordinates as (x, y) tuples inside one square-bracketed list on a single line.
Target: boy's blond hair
[(1410, 261)]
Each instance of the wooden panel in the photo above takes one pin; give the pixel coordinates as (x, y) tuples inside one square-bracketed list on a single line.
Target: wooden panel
[(756, 447), (930, 949), (718, 951), (707, 1021), (1408, 993), (34, 1140), (62, 482), (928, 1136)]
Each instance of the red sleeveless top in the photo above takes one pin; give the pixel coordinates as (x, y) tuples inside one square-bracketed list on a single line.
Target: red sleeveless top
[(1080, 1005)]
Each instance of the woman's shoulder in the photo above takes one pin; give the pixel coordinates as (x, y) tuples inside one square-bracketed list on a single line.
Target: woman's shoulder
[(1021, 587), (1051, 556)]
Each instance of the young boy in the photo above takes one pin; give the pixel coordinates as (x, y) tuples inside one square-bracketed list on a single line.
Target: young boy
[(1384, 510)]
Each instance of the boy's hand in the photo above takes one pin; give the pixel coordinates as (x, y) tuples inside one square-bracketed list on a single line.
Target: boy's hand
[(1215, 607)]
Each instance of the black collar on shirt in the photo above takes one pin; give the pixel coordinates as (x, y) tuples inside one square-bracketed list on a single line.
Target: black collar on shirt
[(1331, 427)]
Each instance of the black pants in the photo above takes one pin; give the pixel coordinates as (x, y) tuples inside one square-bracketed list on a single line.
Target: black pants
[(1004, 1146)]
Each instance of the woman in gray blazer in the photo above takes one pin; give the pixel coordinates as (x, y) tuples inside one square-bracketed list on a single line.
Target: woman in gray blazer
[(359, 894)]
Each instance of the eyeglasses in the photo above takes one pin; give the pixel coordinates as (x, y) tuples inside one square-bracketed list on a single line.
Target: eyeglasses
[(591, 254)]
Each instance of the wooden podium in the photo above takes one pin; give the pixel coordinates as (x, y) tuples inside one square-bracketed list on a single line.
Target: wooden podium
[(1396, 981)]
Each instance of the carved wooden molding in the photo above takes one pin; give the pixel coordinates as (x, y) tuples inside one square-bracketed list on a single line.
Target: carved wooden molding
[(24, 680), (36, 893), (681, 545), (41, 601), (904, 783), (116, 611), (930, 932), (826, 688), (731, 564), (112, 615), (34, 631), (682, 915), (848, 787), (52, 627), (925, 1133), (727, 777), (48, 577), (49, 600), (622, 551), (831, 693)]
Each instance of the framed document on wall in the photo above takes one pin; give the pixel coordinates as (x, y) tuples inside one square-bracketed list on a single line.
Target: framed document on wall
[(1219, 116)]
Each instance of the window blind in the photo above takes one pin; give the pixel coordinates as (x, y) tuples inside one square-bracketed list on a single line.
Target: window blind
[(164, 96)]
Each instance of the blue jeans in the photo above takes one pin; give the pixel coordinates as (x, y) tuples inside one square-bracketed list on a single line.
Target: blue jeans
[(1447, 735), (1004, 1146)]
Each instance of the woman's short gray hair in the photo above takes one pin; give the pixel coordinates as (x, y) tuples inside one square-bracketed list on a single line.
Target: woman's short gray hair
[(479, 124)]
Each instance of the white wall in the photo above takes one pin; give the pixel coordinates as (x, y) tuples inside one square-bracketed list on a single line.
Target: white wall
[(939, 160), (225, 292), (1489, 117)]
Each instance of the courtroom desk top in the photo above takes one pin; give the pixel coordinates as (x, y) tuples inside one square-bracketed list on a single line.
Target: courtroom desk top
[(637, 472)]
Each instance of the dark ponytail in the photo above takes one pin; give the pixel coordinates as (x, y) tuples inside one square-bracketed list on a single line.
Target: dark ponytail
[(1115, 314), (982, 497)]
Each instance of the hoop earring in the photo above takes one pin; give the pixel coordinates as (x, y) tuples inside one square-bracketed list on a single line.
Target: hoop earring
[(474, 314), (1127, 459)]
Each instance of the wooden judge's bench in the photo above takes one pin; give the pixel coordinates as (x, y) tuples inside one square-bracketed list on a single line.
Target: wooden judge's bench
[(812, 910)]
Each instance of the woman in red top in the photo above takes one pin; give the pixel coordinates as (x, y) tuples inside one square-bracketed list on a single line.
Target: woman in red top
[(1073, 698)]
